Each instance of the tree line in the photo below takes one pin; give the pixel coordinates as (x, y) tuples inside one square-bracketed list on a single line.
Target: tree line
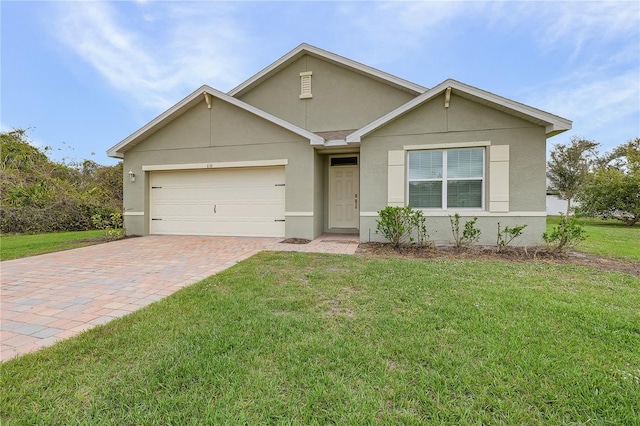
[(606, 185), (38, 194)]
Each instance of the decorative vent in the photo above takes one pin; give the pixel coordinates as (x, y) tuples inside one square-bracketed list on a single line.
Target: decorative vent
[(305, 85)]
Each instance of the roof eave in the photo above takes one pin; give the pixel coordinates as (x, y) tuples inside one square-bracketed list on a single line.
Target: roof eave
[(553, 123), (304, 48), (118, 150)]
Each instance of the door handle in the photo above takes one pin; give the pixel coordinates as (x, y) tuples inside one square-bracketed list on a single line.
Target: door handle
[(214, 208)]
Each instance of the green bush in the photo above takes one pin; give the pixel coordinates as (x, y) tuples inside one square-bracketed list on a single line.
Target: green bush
[(400, 224), (470, 234), (507, 235), (567, 234), (112, 225), (38, 195)]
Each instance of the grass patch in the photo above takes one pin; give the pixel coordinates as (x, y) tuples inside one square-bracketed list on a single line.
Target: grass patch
[(608, 238), (294, 338), (23, 245)]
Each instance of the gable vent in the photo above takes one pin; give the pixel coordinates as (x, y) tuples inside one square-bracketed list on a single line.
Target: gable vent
[(305, 85)]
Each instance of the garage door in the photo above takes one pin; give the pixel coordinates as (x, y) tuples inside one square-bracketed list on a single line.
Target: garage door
[(238, 202)]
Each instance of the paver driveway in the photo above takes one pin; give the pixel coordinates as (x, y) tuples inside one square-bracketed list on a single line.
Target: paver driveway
[(54, 296)]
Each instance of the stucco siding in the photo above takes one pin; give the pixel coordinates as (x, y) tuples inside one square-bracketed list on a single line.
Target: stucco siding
[(231, 134), (432, 124), (439, 229), (342, 99), (319, 207)]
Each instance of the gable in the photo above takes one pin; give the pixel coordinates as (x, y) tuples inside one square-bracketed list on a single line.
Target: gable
[(221, 125), (551, 124), (182, 110), (342, 97), (462, 115)]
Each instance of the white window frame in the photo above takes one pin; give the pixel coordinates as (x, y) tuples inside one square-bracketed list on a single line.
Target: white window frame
[(444, 179)]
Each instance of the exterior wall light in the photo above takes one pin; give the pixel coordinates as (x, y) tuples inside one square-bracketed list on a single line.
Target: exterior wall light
[(132, 176)]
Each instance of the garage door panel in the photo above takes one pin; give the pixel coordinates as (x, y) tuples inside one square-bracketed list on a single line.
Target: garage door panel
[(239, 202), (182, 226)]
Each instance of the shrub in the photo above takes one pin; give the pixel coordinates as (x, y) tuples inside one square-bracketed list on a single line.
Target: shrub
[(398, 224), (567, 234), (111, 225), (507, 235), (38, 194), (470, 234)]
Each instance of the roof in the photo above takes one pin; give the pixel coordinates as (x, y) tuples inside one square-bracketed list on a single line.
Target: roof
[(553, 123), (306, 49), (187, 103)]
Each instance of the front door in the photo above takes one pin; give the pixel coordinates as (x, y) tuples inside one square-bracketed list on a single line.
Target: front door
[(344, 194)]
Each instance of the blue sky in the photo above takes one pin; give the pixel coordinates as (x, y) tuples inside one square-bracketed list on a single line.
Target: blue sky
[(84, 75)]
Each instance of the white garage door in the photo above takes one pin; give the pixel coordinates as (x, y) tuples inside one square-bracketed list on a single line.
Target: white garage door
[(238, 202)]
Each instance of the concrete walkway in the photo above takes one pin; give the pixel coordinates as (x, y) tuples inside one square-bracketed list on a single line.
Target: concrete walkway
[(50, 297)]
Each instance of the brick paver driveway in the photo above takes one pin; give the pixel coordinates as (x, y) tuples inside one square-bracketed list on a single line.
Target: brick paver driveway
[(50, 297)]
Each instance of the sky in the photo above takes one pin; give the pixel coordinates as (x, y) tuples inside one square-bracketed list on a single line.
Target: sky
[(84, 75)]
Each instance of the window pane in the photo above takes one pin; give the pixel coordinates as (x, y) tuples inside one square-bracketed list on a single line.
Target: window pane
[(464, 193), (425, 165), (464, 163), (425, 194)]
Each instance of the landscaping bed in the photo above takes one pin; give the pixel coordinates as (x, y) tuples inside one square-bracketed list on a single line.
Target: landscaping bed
[(515, 254)]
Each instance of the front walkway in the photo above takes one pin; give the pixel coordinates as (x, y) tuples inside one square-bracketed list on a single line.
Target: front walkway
[(51, 297)]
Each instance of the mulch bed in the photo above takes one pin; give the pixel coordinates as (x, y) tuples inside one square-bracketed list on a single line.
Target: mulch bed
[(514, 254)]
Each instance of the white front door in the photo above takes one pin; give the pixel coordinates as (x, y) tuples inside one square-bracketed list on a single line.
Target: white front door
[(344, 197)]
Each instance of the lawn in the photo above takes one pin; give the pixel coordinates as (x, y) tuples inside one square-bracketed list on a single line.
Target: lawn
[(23, 245), (303, 339), (608, 238)]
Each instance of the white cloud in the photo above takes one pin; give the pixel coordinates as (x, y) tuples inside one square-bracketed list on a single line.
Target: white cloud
[(595, 102), (391, 29), (397, 27), (159, 52), (579, 23)]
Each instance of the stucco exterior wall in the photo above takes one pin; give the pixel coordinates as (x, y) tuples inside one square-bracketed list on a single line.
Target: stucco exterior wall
[(319, 206), (342, 99), (223, 133), (463, 121)]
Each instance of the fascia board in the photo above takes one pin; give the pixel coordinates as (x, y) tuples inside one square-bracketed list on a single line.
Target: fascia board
[(555, 124), (313, 138), (117, 150), (269, 69), (348, 63), (413, 103)]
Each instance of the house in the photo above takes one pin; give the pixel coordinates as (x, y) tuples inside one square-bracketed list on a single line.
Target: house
[(317, 143)]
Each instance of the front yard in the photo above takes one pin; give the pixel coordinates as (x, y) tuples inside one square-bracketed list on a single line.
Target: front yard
[(23, 245), (608, 238), (292, 338)]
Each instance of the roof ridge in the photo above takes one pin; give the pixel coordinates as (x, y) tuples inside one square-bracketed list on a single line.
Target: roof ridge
[(305, 48)]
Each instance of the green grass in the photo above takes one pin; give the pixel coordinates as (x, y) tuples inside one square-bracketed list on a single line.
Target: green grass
[(22, 245), (304, 339), (608, 238)]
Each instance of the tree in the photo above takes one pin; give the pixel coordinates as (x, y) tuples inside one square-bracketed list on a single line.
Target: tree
[(613, 189), (41, 195), (569, 166)]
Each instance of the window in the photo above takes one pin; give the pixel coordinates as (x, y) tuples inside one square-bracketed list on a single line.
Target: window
[(446, 179)]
